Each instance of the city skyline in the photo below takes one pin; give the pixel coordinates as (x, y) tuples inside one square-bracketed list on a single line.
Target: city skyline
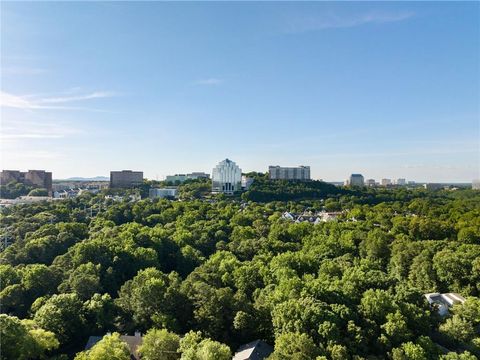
[(382, 89), (180, 178)]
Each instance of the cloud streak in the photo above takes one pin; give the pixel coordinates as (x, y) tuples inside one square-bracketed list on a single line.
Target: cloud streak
[(335, 21), (8, 100), (66, 99), (209, 81), (19, 130)]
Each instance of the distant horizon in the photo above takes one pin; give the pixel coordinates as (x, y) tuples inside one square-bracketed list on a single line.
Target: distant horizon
[(162, 177), (386, 89), (245, 172)]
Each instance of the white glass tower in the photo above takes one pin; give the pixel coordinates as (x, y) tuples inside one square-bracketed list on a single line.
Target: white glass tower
[(226, 177)]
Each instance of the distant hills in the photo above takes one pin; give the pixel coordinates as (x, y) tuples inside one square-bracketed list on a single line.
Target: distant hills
[(96, 178)]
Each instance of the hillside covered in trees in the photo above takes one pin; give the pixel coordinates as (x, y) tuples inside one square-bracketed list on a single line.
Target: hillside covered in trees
[(199, 277)]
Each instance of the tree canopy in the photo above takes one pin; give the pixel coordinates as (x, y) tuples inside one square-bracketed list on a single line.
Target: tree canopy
[(199, 277)]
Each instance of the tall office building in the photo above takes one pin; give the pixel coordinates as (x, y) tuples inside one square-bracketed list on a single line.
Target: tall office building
[(433, 186), (226, 177), (386, 182), (38, 178), (356, 180), (289, 173), (401, 182), (370, 182), (476, 184), (125, 178)]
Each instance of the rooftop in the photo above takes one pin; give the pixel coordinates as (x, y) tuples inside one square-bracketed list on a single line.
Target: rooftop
[(255, 350)]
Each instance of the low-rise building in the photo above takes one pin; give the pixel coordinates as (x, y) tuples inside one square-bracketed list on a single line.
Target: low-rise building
[(125, 179), (312, 217), (325, 216), (255, 350), (289, 173), (133, 343), (65, 194), (246, 182), (441, 302), (181, 178), (163, 193), (288, 216), (198, 175), (118, 198), (176, 179)]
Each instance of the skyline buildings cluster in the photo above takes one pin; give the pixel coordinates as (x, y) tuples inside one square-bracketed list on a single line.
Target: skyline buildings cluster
[(227, 177)]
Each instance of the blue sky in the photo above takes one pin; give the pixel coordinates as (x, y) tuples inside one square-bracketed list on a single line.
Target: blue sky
[(385, 89)]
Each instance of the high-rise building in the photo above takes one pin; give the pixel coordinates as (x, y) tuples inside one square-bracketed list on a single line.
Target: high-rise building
[(356, 180), (38, 178), (476, 184), (125, 178), (289, 173), (8, 176), (401, 182), (433, 186), (386, 182), (226, 177), (370, 182)]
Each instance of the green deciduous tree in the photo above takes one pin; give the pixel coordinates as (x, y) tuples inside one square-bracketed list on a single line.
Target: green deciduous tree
[(194, 347), (160, 344), (457, 330), (111, 347), (63, 315), (409, 351), (23, 339), (295, 346), (152, 298), (455, 356)]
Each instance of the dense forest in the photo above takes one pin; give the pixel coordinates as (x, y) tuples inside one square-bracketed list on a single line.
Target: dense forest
[(200, 277)]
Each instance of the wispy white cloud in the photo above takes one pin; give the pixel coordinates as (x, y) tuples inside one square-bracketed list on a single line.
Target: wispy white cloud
[(331, 20), (66, 99), (209, 81), (17, 130), (33, 102), (30, 136)]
